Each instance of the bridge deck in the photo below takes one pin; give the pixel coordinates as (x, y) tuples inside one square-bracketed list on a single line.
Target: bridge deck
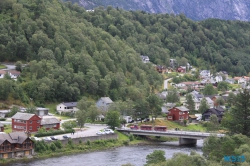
[(171, 133)]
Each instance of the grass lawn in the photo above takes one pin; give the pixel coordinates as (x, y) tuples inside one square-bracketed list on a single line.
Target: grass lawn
[(2, 66), (7, 129), (52, 110)]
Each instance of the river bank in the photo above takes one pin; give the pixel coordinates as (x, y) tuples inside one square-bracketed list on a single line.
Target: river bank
[(53, 150)]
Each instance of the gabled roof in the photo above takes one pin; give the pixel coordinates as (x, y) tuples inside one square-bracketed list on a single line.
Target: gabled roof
[(192, 116), (106, 100), (209, 100), (22, 116), (14, 137), (14, 72), (69, 104), (182, 108), (217, 111), (2, 71), (50, 120)]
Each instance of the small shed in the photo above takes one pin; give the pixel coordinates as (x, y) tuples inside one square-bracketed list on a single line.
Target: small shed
[(192, 119)]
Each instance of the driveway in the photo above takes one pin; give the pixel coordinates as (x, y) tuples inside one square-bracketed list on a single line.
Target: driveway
[(166, 83)]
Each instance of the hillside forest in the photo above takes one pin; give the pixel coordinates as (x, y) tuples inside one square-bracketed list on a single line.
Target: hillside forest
[(72, 53)]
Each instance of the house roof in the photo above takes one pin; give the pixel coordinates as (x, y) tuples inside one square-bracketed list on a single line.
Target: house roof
[(14, 137), (69, 104), (209, 100), (22, 116), (2, 71), (41, 109), (107, 100), (182, 108), (192, 116), (217, 111), (14, 72), (50, 120)]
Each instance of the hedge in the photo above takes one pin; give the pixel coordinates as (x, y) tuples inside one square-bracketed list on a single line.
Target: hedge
[(53, 132)]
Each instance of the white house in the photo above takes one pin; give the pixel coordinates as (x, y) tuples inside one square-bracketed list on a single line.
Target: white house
[(2, 73), (103, 103), (66, 107), (205, 73), (145, 59), (210, 102), (14, 74), (218, 78)]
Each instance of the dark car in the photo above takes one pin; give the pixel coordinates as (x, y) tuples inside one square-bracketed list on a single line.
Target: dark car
[(53, 138), (66, 137)]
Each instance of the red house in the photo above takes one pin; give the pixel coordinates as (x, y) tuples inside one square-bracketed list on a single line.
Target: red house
[(26, 122), (31, 122), (178, 114), (181, 69)]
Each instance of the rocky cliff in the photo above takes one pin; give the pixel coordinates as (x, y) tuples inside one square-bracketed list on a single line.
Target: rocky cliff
[(194, 9)]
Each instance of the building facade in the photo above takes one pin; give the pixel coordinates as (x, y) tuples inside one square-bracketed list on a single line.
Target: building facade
[(16, 144), (178, 114)]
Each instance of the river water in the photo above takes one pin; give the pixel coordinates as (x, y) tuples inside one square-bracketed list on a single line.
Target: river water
[(135, 155)]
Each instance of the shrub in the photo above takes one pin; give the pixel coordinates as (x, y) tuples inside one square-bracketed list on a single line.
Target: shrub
[(52, 132), (131, 137), (52, 146), (58, 144), (88, 142), (2, 119)]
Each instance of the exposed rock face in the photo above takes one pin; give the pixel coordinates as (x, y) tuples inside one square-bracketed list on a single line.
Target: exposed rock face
[(194, 9)]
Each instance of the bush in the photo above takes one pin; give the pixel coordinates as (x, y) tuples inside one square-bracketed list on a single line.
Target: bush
[(131, 137), (58, 144), (2, 119), (52, 132), (53, 147)]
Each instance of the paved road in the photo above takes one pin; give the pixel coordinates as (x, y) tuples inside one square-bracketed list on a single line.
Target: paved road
[(166, 83), (89, 130)]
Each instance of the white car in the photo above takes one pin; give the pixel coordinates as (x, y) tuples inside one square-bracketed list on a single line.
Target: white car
[(100, 133), (109, 131), (47, 139)]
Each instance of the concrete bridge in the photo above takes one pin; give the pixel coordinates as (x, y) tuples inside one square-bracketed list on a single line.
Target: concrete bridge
[(185, 137)]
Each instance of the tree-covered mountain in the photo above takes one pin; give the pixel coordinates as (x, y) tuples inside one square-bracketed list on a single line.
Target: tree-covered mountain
[(72, 53), (193, 9)]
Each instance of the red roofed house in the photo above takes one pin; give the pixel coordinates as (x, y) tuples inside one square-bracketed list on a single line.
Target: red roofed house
[(178, 113)]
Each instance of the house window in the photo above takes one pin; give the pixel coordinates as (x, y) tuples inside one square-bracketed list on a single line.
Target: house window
[(38, 121), (31, 122), (180, 113), (30, 127), (181, 118), (169, 117), (14, 126), (38, 127)]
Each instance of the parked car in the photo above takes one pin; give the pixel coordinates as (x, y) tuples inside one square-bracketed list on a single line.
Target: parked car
[(47, 139), (109, 131), (100, 133), (53, 138), (66, 137)]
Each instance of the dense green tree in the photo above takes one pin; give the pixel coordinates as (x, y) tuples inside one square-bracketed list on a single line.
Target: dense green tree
[(213, 124), (203, 106), (93, 112), (112, 119), (155, 104), (190, 102), (172, 96), (156, 157), (13, 111), (31, 110), (81, 117), (237, 118), (209, 90), (220, 101)]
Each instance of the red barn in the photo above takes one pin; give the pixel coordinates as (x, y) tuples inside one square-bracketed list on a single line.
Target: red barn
[(178, 113)]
